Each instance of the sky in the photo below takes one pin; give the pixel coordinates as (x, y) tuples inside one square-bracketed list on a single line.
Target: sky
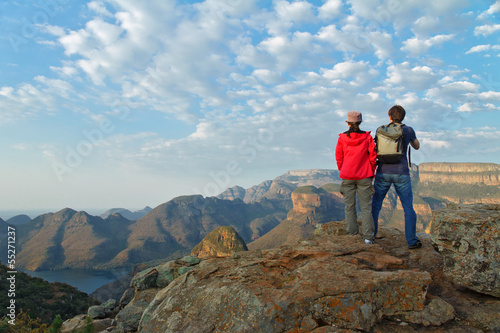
[(122, 103)]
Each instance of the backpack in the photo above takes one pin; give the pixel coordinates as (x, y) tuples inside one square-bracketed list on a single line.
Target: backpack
[(389, 140)]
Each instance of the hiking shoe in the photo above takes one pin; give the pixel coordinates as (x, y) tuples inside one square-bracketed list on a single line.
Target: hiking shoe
[(369, 241), (417, 245)]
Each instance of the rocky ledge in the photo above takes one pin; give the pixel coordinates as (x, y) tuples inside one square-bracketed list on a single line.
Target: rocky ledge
[(329, 282)]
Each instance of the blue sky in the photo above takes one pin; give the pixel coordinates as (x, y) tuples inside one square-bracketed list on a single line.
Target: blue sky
[(125, 103)]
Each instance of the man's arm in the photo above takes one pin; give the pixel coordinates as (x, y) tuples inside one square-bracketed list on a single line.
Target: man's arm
[(415, 144)]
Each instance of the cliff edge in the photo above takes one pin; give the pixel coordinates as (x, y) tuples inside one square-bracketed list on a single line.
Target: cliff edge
[(329, 282)]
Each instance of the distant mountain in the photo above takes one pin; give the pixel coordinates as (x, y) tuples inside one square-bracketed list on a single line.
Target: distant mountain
[(282, 186), (3, 241), (183, 222), (70, 239), (315, 177), (132, 216), (19, 219), (311, 205), (77, 240), (261, 215)]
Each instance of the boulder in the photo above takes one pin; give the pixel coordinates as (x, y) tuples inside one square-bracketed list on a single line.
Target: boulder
[(128, 318), (73, 324), (322, 284), (436, 313), (468, 237), (143, 289), (220, 242), (103, 310), (127, 296), (145, 279), (101, 325)]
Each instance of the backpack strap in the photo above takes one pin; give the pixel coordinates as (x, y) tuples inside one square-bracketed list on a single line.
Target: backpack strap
[(409, 156)]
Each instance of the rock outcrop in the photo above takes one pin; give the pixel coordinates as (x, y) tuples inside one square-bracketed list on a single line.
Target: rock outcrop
[(464, 173), (276, 189), (324, 281), (329, 282), (282, 186), (221, 242), (468, 237), (461, 183), (317, 203), (311, 206), (315, 177)]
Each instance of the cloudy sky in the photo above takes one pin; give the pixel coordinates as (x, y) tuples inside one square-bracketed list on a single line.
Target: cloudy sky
[(123, 103)]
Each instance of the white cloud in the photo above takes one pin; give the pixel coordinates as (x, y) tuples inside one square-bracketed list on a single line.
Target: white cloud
[(490, 96), (99, 8), (358, 73), (417, 46), (330, 9), (416, 14), (486, 29), (479, 48), (265, 87), (298, 11), (408, 78), (493, 9), (354, 38), (53, 30), (23, 102), (65, 71), (21, 146), (267, 76), (55, 87)]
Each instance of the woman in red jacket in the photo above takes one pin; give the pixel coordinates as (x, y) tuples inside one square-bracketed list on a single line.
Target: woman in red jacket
[(356, 160)]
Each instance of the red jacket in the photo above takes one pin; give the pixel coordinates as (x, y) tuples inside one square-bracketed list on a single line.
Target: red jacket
[(356, 156)]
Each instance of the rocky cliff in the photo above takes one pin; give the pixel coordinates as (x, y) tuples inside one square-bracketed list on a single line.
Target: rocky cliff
[(314, 177), (459, 182), (275, 189), (311, 205), (469, 239), (462, 173), (282, 186), (329, 282)]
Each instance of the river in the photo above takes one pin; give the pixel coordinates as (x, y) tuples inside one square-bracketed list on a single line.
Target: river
[(85, 280)]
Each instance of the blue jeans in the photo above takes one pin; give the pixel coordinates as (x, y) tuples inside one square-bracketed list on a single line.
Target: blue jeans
[(402, 184)]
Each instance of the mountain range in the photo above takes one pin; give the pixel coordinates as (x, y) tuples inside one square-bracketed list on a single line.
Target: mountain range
[(263, 215)]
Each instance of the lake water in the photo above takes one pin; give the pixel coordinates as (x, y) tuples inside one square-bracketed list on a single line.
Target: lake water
[(85, 280)]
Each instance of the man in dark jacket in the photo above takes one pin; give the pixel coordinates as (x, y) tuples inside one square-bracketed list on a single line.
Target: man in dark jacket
[(399, 175)]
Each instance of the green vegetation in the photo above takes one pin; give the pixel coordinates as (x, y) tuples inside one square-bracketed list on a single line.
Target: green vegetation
[(24, 323), (38, 298), (226, 239), (89, 326), (56, 325), (309, 189), (331, 187)]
